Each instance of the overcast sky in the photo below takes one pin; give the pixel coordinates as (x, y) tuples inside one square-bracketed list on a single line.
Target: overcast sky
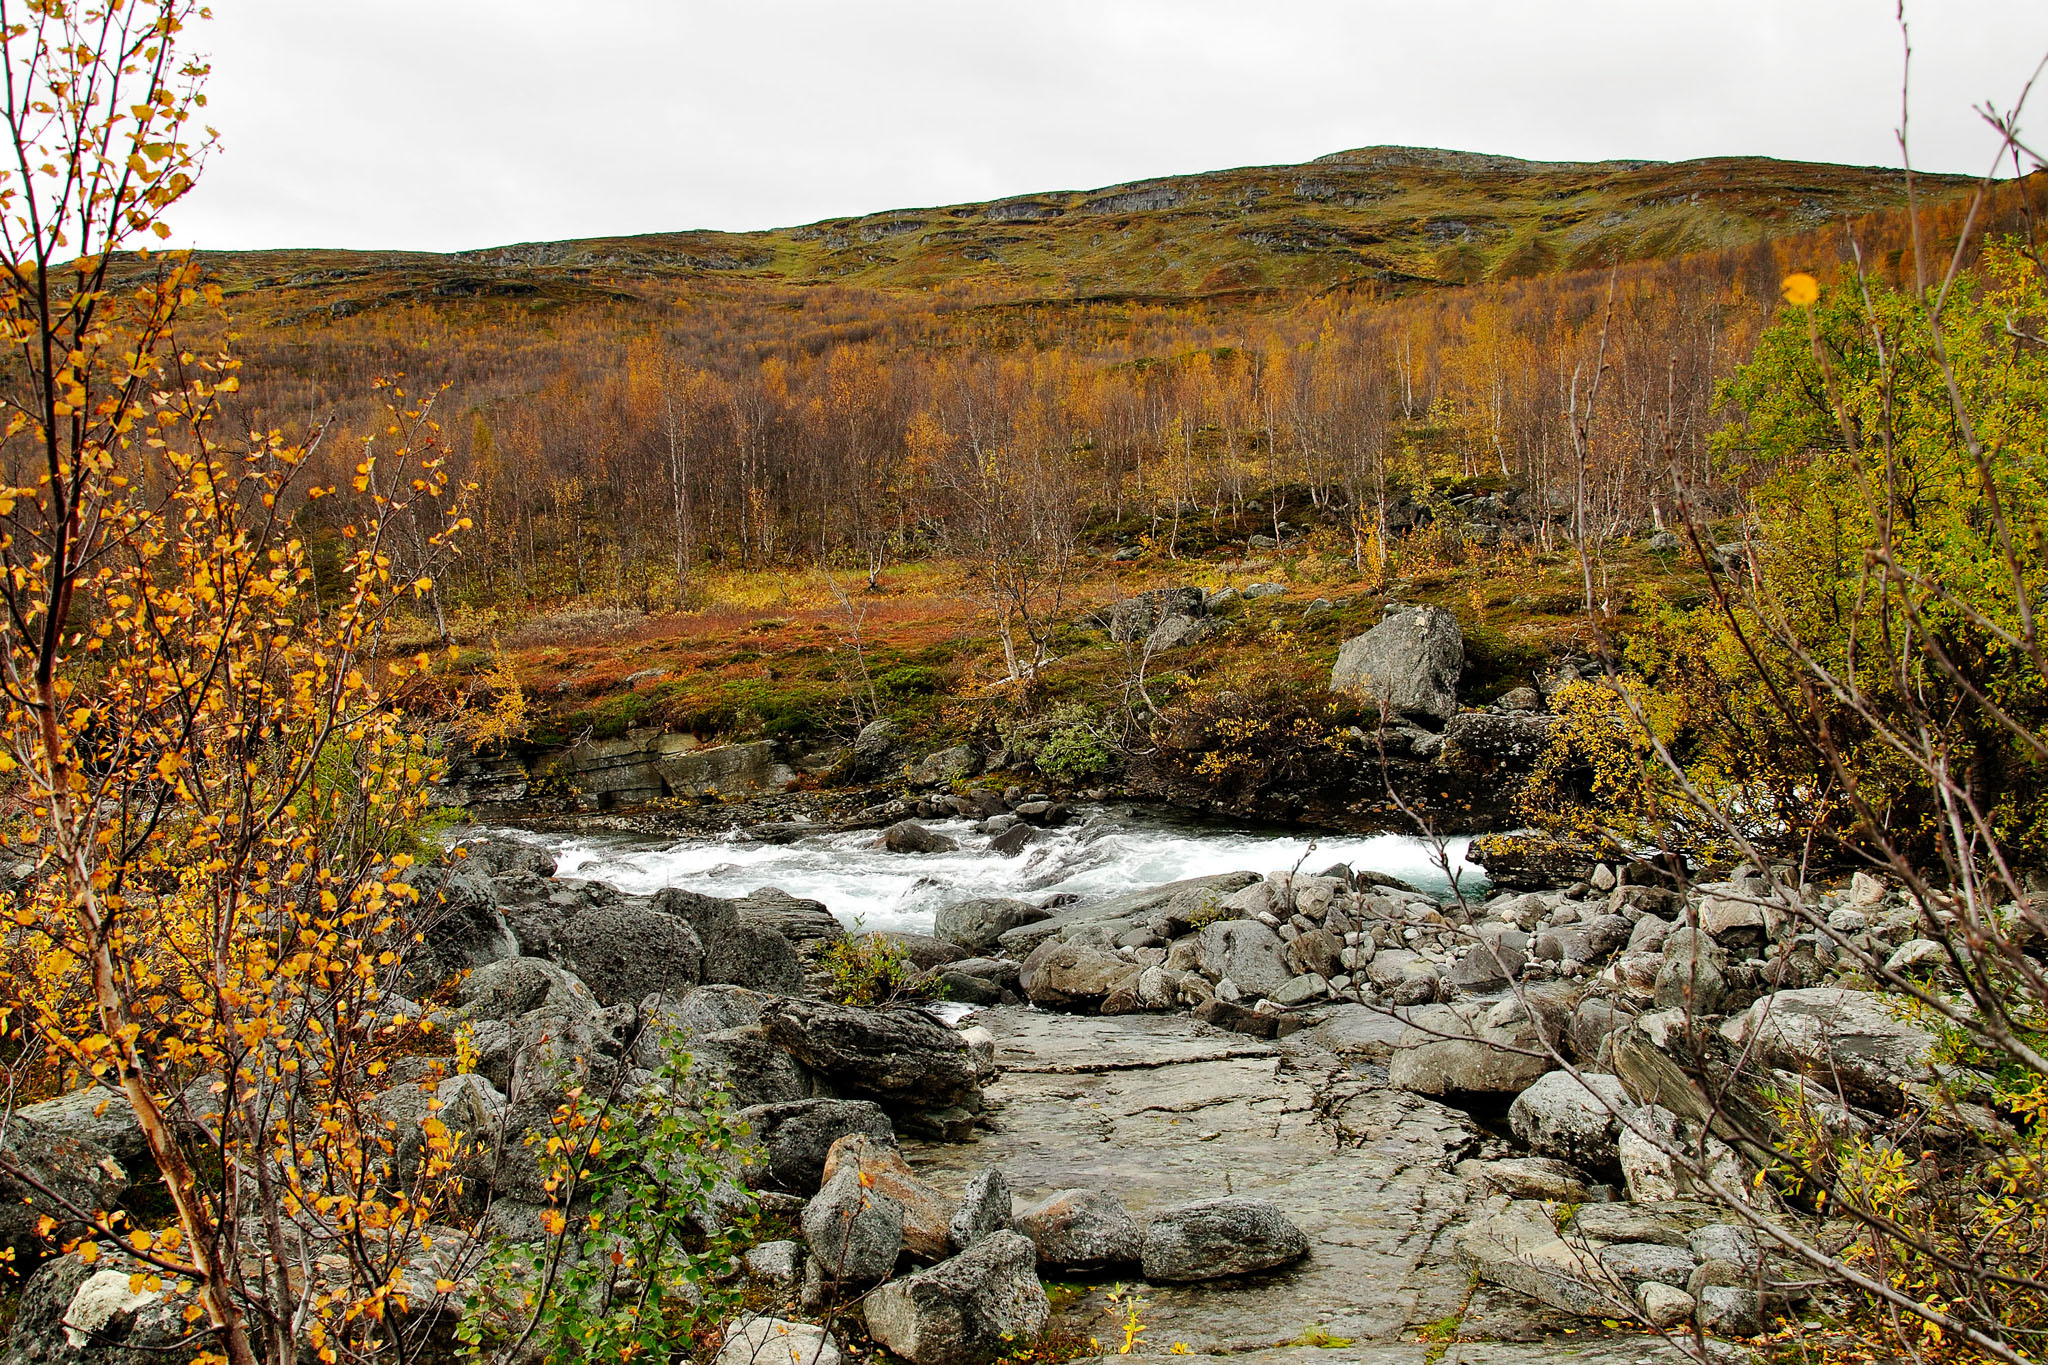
[(442, 124)]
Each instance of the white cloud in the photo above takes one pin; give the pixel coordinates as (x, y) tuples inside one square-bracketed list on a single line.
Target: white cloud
[(439, 124)]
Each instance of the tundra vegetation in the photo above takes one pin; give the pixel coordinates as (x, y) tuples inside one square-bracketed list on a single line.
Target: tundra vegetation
[(1779, 496)]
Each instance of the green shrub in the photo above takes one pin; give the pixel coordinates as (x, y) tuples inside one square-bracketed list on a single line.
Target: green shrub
[(1073, 750), (867, 970), (626, 1273)]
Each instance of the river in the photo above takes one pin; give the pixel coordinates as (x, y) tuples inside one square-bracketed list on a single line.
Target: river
[(1103, 853)]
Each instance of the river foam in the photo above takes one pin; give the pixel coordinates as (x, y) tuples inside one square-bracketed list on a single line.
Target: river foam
[(1107, 853)]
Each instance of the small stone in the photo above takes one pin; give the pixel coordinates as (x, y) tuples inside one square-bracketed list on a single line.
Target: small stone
[(779, 1263), (1664, 1305), (1731, 1312)]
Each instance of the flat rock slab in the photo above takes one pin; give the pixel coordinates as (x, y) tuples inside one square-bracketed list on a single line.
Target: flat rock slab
[(1163, 1110)]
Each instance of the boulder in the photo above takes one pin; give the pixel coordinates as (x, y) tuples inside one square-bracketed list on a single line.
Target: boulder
[(756, 957), (927, 1214), (807, 924), (1530, 1177), (627, 951), (1409, 662), (1851, 1042), (1074, 976), (1218, 1238), (984, 1210), (908, 836), (1081, 1229), (903, 1058), (1572, 1119), (1471, 1049), (762, 1340), (751, 1067), (976, 1308), (977, 925), (1664, 1306), (1245, 952), (797, 1137), (98, 1115), (1519, 1250), (1403, 976), (854, 1233)]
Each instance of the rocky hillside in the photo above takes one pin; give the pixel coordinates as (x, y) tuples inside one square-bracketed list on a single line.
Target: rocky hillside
[(1395, 217)]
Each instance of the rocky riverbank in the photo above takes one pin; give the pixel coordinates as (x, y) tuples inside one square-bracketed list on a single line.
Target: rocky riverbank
[(1303, 1111)]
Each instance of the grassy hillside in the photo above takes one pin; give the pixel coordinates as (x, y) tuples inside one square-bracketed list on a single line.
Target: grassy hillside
[(1391, 217)]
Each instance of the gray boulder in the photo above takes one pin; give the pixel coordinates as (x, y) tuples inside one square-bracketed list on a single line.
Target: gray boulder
[(903, 1058), (796, 1137), (807, 924), (1560, 1117), (1246, 952), (854, 1233), (1218, 1238), (1409, 662), (97, 1115), (1473, 1048), (1851, 1041), (908, 836), (762, 1340), (735, 954), (984, 1210), (625, 952), (973, 1309), (1081, 1229), (977, 925), (751, 1067), (1074, 976)]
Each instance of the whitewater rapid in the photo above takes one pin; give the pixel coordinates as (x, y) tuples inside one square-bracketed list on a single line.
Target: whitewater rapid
[(1102, 855)]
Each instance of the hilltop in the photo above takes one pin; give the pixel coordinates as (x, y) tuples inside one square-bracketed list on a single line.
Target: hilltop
[(1396, 219)]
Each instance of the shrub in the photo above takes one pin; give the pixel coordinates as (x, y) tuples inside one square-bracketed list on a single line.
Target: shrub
[(626, 1272), (867, 970), (1073, 750)]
